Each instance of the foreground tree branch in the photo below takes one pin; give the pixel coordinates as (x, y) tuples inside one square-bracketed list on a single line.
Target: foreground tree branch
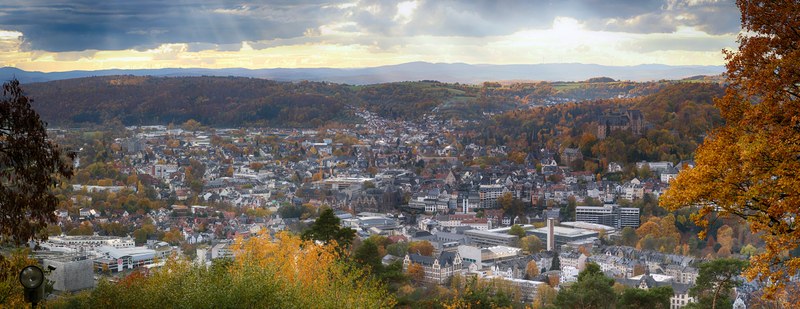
[(30, 165), (759, 145)]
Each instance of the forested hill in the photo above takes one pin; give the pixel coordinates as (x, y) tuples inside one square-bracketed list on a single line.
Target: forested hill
[(240, 101), (676, 119), (223, 101)]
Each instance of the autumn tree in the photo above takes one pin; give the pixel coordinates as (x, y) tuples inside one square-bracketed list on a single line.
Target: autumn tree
[(191, 125), (748, 167), (531, 244), (266, 272), (30, 165), (11, 292), (531, 269), (415, 272), (545, 296), (725, 239), (423, 247), (84, 229)]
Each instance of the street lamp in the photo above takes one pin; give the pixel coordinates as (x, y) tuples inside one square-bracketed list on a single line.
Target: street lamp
[(32, 279)]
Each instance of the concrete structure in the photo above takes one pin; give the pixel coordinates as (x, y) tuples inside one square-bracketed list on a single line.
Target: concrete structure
[(221, 250), (563, 235), (488, 195), (77, 242), (484, 257), (119, 259), (493, 237), (610, 214), (71, 273), (551, 237)]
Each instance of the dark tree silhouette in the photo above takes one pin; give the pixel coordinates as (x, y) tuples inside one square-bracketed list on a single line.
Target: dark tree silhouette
[(30, 165), (326, 228)]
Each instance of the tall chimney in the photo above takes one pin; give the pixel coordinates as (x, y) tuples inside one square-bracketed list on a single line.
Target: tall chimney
[(551, 237)]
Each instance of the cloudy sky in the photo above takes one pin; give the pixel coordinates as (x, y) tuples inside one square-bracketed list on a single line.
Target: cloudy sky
[(60, 35)]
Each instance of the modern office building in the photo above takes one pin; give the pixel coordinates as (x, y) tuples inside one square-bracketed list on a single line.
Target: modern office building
[(610, 214), (493, 237)]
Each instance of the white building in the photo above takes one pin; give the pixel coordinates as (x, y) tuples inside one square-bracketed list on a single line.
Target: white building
[(610, 214)]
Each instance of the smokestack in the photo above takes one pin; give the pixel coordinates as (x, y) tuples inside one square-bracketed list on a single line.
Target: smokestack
[(551, 237)]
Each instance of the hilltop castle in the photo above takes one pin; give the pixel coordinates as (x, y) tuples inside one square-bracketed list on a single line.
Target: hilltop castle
[(618, 120)]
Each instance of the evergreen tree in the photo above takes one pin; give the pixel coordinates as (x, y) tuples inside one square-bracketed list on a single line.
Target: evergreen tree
[(593, 290), (327, 228), (556, 263), (715, 282), (367, 255)]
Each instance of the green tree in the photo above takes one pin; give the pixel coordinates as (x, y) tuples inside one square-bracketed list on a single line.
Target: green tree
[(147, 231), (367, 255), (30, 166), (715, 282), (656, 298), (531, 244), (629, 237), (593, 290), (517, 230), (398, 249), (556, 264), (327, 228), (748, 250)]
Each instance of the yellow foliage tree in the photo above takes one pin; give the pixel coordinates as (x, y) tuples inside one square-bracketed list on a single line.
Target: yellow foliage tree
[(285, 272), (421, 247), (532, 270), (11, 293), (314, 270), (748, 168), (415, 272)]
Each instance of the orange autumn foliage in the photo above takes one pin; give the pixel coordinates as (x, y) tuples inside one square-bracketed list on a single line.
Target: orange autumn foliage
[(748, 168), (325, 280)]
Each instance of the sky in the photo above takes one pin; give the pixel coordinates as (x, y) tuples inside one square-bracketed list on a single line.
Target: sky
[(63, 35)]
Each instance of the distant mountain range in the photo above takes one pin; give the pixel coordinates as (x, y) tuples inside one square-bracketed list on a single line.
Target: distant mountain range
[(412, 71)]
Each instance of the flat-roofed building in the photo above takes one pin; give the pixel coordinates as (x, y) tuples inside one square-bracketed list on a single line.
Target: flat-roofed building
[(610, 214), (493, 237), (563, 234), (71, 273), (118, 259), (85, 242)]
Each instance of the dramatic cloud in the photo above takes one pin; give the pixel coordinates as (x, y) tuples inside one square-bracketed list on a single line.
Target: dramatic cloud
[(122, 24), (59, 34)]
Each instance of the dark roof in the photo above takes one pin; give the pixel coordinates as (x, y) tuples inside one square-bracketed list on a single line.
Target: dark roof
[(678, 288), (446, 258)]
